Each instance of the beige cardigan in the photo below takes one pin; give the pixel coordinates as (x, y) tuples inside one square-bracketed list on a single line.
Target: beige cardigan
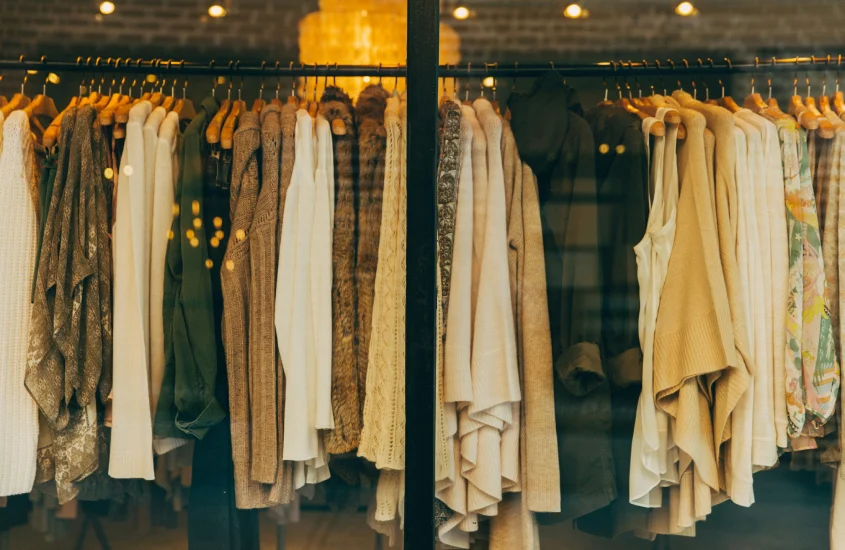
[(735, 380), (693, 339)]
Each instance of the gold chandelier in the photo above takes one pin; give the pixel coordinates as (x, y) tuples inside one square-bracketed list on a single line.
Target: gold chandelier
[(363, 32)]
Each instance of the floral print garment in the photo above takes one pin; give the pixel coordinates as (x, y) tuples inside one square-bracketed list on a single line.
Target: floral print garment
[(812, 372)]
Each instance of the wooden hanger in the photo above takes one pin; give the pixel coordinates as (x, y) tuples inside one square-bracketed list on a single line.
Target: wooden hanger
[(806, 118), (212, 133), (185, 107), (18, 101), (658, 129), (670, 117), (42, 105)]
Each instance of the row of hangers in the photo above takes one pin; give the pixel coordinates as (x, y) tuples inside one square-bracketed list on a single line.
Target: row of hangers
[(801, 110)]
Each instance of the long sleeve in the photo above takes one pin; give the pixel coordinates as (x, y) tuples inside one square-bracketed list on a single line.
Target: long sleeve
[(321, 269), (166, 172), (131, 439), (19, 429)]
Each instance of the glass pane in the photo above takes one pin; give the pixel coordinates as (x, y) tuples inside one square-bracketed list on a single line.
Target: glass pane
[(210, 359), (642, 345)]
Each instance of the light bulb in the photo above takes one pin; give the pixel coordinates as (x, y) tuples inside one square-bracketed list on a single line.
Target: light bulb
[(573, 11), (216, 10), (107, 8), (685, 9), (461, 13)]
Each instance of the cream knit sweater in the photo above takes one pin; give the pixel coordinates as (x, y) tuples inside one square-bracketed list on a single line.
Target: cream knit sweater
[(19, 429), (132, 438), (383, 432)]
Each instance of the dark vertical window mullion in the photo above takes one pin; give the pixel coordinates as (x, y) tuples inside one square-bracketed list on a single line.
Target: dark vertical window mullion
[(421, 309)]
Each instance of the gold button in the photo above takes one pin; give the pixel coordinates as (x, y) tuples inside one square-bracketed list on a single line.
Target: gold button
[(170, 235), (195, 208), (240, 235), (230, 265), (109, 173), (175, 209), (197, 223), (218, 222), (209, 264), (215, 242), (620, 149), (604, 148), (219, 235), (190, 234), (195, 242)]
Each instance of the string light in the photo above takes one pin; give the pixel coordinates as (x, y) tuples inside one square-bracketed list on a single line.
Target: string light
[(107, 8), (461, 13), (575, 11), (216, 10), (685, 9)]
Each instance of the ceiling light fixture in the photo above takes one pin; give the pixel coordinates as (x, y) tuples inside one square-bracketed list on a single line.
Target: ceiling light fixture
[(685, 9), (461, 13), (107, 8), (216, 11), (575, 11)]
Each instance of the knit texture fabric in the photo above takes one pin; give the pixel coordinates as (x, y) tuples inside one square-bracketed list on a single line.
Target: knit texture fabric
[(369, 118), (19, 431), (336, 105), (383, 432), (235, 279), (263, 252)]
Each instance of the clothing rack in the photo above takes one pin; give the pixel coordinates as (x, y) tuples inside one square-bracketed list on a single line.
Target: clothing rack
[(422, 72), (112, 65)]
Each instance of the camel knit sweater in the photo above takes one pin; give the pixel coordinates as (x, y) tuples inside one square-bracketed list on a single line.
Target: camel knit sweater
[(19, 431), (262, 260), (693, 338), (735, 380)]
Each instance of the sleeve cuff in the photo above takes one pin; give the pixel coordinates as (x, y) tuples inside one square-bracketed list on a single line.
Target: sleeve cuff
[(198, 427), (626, 368), (579, 369)]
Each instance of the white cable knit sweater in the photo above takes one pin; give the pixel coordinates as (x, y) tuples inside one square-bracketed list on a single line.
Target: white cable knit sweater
[(19, 429)]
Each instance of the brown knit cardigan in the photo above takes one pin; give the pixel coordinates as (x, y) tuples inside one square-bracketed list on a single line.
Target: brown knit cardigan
[(235, 279), (263, 252), (372, 142), (346, 406)]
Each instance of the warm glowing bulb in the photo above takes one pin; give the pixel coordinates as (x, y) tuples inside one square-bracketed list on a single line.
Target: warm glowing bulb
[(685, 9), (461, 12), (489, 82), (573, 11), (107, 8), (217, 10)]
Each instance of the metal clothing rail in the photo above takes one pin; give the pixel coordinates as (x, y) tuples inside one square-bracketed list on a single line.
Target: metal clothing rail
[(655, 67), (177, 67)]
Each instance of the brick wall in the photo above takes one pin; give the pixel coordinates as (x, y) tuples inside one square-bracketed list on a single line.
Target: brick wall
[(505, 31)]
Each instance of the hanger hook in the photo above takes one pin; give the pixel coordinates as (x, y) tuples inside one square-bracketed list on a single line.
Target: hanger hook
[(334, 76), (396, 79), (379, 74), (292, 81), (214, 77), (515, 72), (466, 89), (838, 63)]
